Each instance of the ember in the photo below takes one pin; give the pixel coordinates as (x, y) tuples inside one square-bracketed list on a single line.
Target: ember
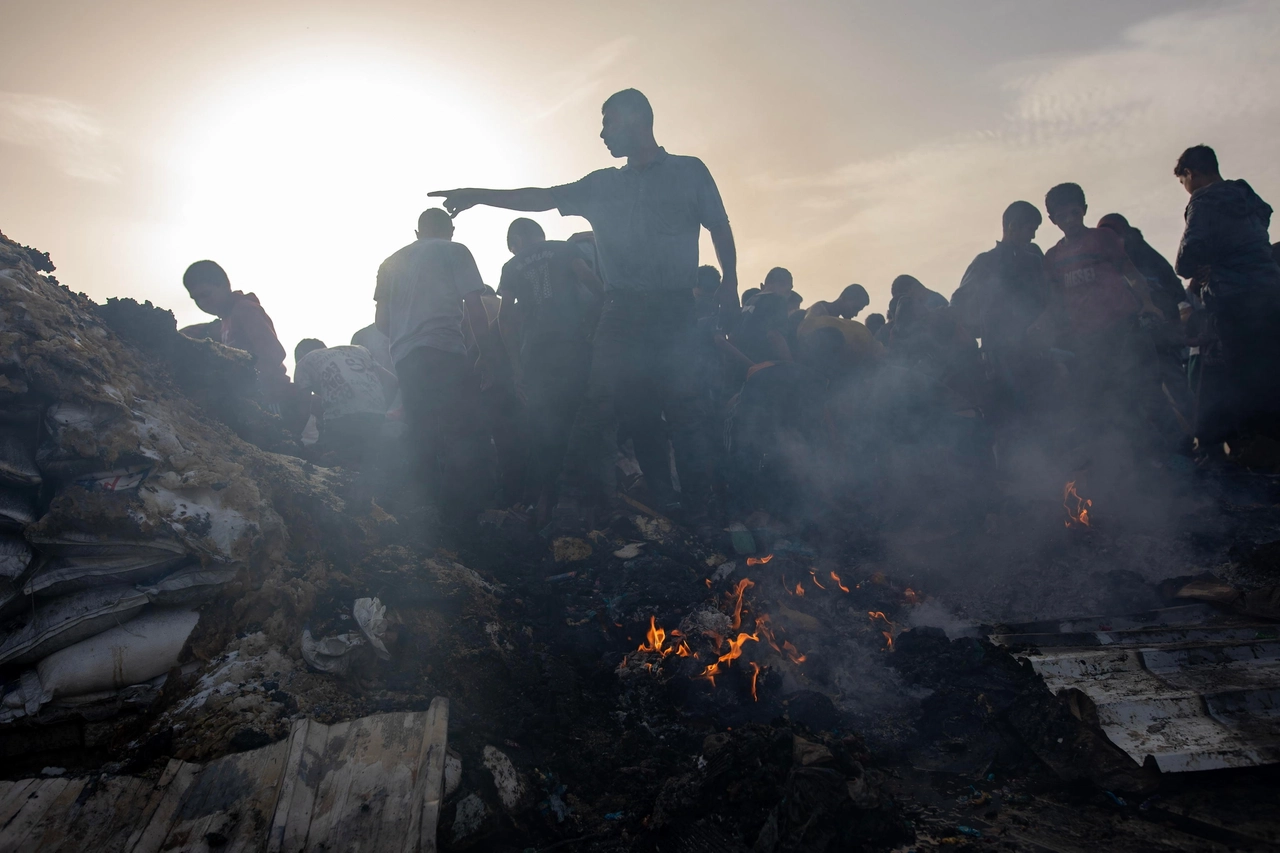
[(835, 577), (759, 561), (1077, 515)]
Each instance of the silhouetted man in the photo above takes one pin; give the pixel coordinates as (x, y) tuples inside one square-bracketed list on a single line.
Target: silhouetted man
[(1226, 253), (549, 296), (778, 280), (1166, 290), (646, 217), (425, 292), (848, 304), (910, 287), (242, 323)]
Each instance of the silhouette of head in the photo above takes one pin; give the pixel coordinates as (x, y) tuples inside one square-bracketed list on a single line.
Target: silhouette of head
[(626, 122), (209, 287), (523, 233), (434, 223)]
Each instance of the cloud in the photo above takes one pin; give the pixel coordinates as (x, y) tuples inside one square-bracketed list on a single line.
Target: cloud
[(1113, 120), (65, 131)]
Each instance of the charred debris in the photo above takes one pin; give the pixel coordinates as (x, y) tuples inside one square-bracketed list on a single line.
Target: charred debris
[(177, 584)]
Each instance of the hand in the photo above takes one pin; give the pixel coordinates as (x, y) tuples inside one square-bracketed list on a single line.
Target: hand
[(486, 373), (727, 293), (456, 201)]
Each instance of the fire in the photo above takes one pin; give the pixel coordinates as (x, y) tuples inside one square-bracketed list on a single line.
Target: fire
[(1079, 515), (793, 652), (762, 627), (888, 635), (888, 638), (656, 639), (799, 589), (755, 676), (736, 596), (815, 580), (911, 596), (835, 577), (759, 561)]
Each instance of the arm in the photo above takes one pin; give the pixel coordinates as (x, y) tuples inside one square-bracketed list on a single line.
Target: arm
[(588, 277), (390, 382), (479, 321), (531, 199), (510, 319), (382, 317), (727, 255), (1140, 287), (778, 343)]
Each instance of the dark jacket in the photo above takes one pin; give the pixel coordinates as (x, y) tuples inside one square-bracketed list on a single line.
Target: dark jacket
[(1002, 293), (248, 327), (1226, 235), (1166, 289)]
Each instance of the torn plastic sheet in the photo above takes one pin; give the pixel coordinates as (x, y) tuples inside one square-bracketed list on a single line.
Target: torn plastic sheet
[(371, 616), (62, 575), (100, 546), (18, 454), (189, 584), (338, 653), (17, 508), (123, 479), (75, 436), (15, 556), (62, 622), (198, 515)]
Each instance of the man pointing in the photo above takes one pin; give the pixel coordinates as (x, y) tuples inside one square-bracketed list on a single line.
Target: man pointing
[(646, 217)]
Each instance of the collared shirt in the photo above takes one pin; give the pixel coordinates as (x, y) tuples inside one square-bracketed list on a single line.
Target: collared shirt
[(647, 221), (424, 284)]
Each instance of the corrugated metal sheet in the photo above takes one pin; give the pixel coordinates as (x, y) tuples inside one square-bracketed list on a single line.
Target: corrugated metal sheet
[(1190, 688)]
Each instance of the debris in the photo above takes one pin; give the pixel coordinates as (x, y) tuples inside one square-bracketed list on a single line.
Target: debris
[(334, 654), (371, 615), (743, 542), (629, 551), (65, 621), (567, 549), (511, 787)]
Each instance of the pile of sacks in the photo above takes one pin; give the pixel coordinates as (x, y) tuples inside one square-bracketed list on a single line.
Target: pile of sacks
[(121, 508)]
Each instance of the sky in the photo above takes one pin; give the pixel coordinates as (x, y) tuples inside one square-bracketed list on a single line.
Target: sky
[(852, 140)]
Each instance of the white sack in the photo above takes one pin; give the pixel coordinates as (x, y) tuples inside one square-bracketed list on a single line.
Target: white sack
[(130, 654), (189, 584), (62, 622)]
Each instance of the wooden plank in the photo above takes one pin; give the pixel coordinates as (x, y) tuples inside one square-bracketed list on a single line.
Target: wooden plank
[(373, 811), (428, 789), (42, 796), (16, 798), (57, 815), (331, 778), (291, 786), (174, 784), (224, 801), (101, 821)]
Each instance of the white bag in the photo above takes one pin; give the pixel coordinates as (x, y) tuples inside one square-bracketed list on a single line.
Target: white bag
[(62, 622), (130, 654)]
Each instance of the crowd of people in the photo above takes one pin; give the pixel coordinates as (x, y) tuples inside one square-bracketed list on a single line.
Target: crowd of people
[(613, 363)]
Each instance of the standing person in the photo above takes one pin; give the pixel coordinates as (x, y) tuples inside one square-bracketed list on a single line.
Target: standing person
[(646, 217), (1099, 294), (1226, 252), (549, 297), (242, 323), (352, 392), (425, 292)]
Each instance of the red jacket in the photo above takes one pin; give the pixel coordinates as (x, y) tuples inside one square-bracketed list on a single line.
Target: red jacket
[(248, 327)]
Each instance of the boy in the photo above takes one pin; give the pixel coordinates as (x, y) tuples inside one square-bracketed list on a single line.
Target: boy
[(351, 392)]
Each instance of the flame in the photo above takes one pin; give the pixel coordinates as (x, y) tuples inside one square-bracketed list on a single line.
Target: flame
[(888, 638), (759, 561), (799, 589), (735, 647), (656, 638), (878, 614), (1080, 514), (710, 673), (888, 635), (815, 580), (755, 676), (793, 653), (762, 627), (736, 596), (911, 596), (835, 577)]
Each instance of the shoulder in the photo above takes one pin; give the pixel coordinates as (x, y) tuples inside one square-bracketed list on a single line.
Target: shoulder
[(310, 361), (685, 161)]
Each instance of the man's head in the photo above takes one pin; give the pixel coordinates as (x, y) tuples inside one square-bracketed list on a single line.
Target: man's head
[(1117, 223), (778, 280), (749, 294), (305, 347), (626, 122), (850, 301), (209, 287), (1066, 207), (1197, 167), (524, 233), (1019, 223), (794, 301), (906, 286), (875, 322), (434, 224)]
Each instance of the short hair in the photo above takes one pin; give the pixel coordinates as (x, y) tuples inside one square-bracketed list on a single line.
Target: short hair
[(794, 298), (306, 346), (526, 229), (434, 220), (903, 282), (855, 291), (632, 101), (708, 277), (1114, 219), (1062, 195), (748, 293), (1200, 159), (1021, 213), (205, 271), (875, 322), (778, 272)]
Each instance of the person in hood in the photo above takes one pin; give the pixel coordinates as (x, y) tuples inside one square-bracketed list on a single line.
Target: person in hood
[(1167, 291), (1226, 252), (242, 323)]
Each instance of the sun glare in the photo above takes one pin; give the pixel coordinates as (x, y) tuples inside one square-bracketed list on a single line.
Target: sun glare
[(300, 184)]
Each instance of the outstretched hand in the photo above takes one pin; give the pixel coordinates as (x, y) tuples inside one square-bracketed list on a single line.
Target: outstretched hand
[(456, 201)]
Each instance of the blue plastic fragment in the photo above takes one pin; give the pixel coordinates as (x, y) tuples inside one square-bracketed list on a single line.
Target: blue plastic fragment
[(1119, 801), (970, 831), (614, 815)]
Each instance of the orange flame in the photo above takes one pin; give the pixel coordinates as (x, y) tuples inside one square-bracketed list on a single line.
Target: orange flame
[(656, 639), (755, 676), (799, 589), (793, 653), (815, 580), (888, 635), (1080, 514), (738, 591), (759, 561), (762, 627), (888, 638), (835, 577)]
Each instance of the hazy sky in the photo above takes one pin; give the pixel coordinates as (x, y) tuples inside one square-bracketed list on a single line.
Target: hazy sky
[(295, 143)]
